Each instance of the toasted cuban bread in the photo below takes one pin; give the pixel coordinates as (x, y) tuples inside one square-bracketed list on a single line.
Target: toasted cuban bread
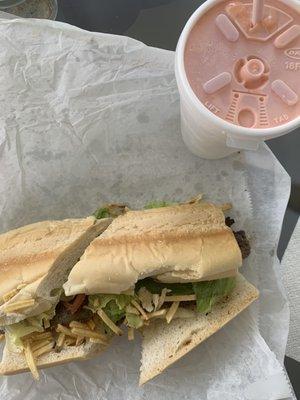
[(188, 242), (36, 259), (15, 363), (163, 344)]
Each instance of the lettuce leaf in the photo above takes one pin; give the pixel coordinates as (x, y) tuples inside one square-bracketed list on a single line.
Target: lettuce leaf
[(15, 332), (207, 292), (113, 311), (113, 305), (156, 287), (210, 292)]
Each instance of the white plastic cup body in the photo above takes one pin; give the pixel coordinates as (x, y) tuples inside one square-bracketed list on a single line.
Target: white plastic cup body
[(205, 134)]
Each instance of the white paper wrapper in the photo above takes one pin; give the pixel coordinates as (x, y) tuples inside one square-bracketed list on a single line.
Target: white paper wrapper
[(90, 118)]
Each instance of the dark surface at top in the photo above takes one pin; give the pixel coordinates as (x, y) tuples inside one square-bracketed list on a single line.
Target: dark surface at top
[(159, 23)]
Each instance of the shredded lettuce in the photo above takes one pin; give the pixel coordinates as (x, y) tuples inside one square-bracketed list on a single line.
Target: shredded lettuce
[(110, 210), (15, 332), (114, 210), (156, 287), (210, 292), (113, 311), (102, 212), (114, 305), (134, 321), (157, 204)]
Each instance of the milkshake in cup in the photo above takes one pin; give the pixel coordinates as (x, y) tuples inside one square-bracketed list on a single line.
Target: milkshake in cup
[(238, 74)]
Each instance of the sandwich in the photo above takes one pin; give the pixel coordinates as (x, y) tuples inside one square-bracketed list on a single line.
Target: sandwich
[(34, 263), (169, 271)]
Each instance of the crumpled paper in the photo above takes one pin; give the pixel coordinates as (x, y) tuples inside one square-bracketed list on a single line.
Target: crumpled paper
[(290, 267), (88, 118)]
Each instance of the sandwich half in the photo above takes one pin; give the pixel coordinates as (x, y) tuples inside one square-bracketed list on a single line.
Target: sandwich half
[(35, 261), (170, 272), (163, 344)]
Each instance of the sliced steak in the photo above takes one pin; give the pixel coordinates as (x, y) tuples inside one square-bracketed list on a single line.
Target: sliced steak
[(63, 316), (243, 243), (229, 221)]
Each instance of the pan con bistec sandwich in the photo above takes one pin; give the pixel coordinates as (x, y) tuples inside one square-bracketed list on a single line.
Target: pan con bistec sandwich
[(170, 272), (34, 263)]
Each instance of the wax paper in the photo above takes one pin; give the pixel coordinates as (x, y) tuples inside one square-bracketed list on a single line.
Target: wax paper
[(88, 118)]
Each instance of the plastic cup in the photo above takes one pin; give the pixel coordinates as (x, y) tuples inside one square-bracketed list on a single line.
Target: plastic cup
[(204, 133)]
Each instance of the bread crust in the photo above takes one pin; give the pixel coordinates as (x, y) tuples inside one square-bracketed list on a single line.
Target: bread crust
[(37, 258), (15, 363), (27, 253)]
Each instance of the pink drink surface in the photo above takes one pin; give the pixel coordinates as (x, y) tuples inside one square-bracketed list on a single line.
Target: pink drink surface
[(247, 75)]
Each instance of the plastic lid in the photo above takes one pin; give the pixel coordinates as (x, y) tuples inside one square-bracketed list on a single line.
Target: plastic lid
[(242, 60)]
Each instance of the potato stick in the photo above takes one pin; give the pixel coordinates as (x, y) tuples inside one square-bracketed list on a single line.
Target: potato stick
[(60, 341), (43, 350), (100, 341), (30, 361), (171, 312), (21, 286), (130, 334), (38, 345), (79, 340), (18, 305), (70, 341), (46, 324), (162, 298), (139, 308), (158, 313), (187, 297), (9, 295), (88, 333), (155, 300), (66, 331), (35, 336), (91, 324), (76, 324), (109, 322)]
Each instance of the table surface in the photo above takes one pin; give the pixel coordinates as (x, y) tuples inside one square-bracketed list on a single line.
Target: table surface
[(159, 23)]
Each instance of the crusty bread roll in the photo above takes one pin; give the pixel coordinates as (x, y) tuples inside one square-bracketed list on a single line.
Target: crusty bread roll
[(15, 363), (37, 258), (163, 344), (188, 242)]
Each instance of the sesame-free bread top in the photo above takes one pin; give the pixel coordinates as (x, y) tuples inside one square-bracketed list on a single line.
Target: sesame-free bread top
[(35, 259), (188, 242)]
